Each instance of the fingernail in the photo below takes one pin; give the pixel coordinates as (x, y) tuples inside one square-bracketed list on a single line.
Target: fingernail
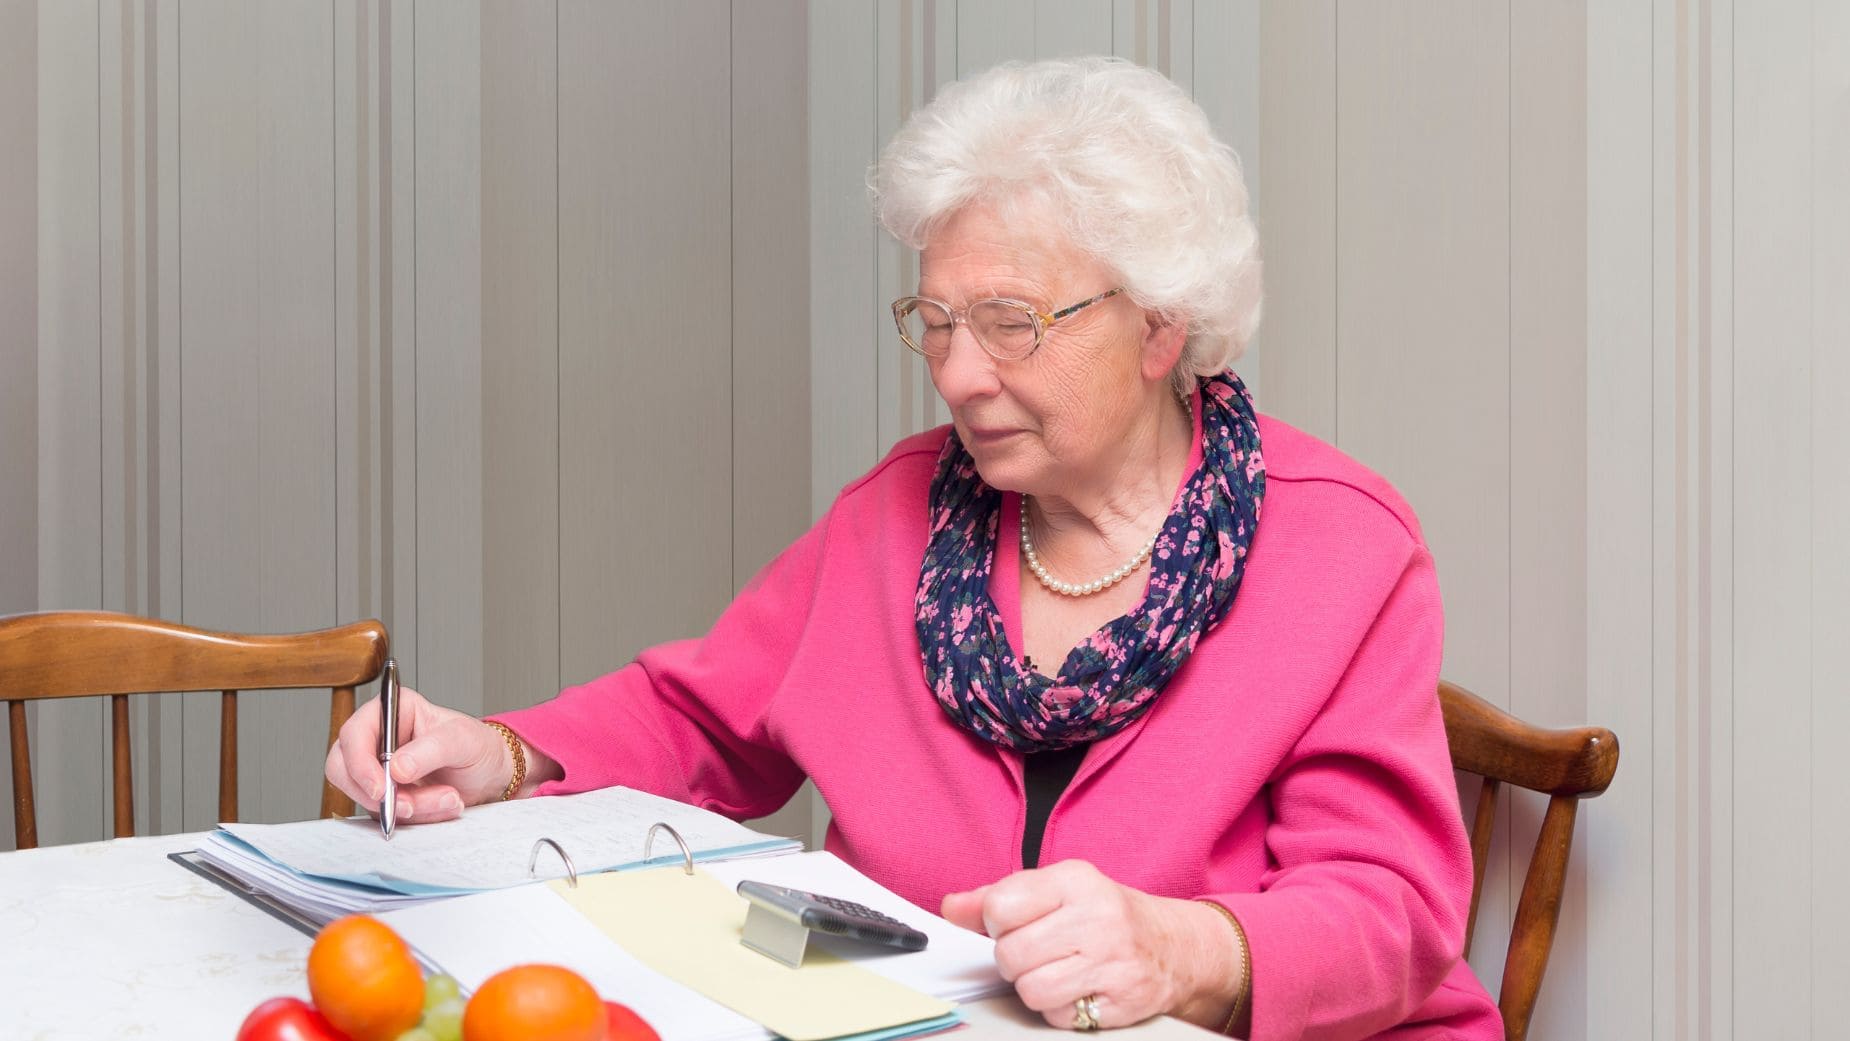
[(404, 807), (407, 767), (377, 791), (449, 804)]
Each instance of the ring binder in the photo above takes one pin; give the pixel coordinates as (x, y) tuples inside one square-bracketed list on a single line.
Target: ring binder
[(648, 846), (571, 872), (649, 843)]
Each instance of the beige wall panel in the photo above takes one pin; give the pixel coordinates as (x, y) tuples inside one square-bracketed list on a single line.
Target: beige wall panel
[(645, 329), (1297, 224), (770, 321), (161, 299), (1065, 28), (1133, 26), (283, 735), (1548, 434), (1830, 496), (221, 360), (1620, 962), (1774, 536), (845, 331), (398, 328), (1423, 313), (904, 382), (1672, 561), (992, 31), (258, 386), (520, 354), (1175, 23), (1713, 504), (360, 438), (19, 321), (125, 365), (68, 763), (770, 299), (1225, 46), (448, 166)]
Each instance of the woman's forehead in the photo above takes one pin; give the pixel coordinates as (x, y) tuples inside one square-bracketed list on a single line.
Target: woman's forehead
[(979, 253)]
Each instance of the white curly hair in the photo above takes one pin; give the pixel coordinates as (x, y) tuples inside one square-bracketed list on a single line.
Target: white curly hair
[(1125, 157)]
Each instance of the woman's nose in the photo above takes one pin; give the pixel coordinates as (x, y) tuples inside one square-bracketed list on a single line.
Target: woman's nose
[(966, 371)]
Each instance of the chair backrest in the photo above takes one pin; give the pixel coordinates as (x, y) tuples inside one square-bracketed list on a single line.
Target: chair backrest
[(68, 654), (1565, 765)]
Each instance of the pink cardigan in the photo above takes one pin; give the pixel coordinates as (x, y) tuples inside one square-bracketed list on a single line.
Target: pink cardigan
[(1294, 770)]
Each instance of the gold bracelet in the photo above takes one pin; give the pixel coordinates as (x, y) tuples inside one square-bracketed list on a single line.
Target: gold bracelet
[(1246, 966), (520, 760)]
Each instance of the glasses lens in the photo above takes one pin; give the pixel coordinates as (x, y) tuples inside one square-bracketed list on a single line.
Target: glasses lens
[(1009, 330), (927, 327)]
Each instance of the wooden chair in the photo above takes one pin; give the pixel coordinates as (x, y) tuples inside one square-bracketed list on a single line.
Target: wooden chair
[(1567, 766), (68, 654)]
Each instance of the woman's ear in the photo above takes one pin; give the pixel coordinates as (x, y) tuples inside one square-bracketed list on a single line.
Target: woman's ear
[(1163, 341)]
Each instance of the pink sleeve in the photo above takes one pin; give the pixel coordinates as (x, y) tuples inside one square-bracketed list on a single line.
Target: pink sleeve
[(691, 720), (1363, 913)]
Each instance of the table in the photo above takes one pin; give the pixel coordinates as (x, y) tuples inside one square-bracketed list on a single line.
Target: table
[(111, 939)]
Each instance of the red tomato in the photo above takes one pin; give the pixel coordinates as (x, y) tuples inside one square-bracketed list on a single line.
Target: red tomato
[(625, 1025), (287, 1019)]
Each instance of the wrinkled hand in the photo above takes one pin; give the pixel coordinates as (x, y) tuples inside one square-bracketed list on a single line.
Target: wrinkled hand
[(445, 760), (1067, 931)]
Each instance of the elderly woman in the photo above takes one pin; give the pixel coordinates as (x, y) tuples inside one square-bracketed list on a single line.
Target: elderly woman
[(1133, 679)]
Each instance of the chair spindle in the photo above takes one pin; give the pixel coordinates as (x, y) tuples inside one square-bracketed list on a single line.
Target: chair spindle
[(228, 756), (1483, 825), (334, 802), (122, 766), (25, 821)]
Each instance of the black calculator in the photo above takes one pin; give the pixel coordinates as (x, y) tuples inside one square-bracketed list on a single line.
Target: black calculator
[(826, 914)]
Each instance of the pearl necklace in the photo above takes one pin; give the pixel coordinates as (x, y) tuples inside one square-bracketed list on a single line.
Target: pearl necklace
[(1082, 588)]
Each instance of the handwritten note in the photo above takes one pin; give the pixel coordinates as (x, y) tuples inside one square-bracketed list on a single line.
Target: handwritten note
[(489, 846)]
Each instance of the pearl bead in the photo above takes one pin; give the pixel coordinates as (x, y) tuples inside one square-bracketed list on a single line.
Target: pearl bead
[(1117, 575)]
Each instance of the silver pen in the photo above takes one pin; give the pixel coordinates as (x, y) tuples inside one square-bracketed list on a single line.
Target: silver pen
[(388, 744)]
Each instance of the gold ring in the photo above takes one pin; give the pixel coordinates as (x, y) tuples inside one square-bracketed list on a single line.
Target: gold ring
[(1085, 1013)]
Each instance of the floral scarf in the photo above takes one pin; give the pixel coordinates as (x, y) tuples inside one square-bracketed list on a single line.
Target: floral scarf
[(1114, 674)]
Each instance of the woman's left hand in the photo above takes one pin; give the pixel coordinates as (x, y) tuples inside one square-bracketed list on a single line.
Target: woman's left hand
[(1067, 932)]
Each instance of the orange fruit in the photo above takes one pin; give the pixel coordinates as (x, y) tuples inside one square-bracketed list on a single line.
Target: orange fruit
[(364, 979), (534, 1003)]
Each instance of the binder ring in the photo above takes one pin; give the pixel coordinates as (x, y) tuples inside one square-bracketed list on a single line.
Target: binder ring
[(649, 844), (571, 873)]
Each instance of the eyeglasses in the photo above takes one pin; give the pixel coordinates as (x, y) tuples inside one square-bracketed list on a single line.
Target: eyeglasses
[(1008, 329)]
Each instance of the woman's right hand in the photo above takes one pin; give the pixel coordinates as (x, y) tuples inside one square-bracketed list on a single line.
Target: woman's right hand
[(445, 760)]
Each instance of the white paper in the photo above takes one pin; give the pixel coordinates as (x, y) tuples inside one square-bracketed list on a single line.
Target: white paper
[(474, 937), (956, 963), (489, 846)]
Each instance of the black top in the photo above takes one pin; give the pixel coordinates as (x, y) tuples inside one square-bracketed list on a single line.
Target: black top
[(1045, 775)]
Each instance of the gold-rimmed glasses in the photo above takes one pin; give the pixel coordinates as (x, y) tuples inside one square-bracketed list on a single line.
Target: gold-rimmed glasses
[(1009, 330)]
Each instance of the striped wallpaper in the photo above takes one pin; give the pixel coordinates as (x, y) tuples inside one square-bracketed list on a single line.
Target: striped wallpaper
[(311, 312)]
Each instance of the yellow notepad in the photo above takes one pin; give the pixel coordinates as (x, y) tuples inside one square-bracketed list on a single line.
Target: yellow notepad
[(687, 928)]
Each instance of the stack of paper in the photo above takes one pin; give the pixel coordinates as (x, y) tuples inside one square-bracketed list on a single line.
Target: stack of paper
[(680, 966), (328, 868)]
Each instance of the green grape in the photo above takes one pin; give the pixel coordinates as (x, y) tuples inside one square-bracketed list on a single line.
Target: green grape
[(438, 989), (444, 1021), (417, 1033)]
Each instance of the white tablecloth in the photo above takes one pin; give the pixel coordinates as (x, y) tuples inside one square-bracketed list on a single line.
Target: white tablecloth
[(111, 940)]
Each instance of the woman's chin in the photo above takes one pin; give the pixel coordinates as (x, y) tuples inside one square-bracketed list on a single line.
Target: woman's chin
[(1002, 471)]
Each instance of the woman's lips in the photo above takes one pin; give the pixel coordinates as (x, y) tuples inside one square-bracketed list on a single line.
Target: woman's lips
[(990, 435)]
